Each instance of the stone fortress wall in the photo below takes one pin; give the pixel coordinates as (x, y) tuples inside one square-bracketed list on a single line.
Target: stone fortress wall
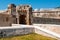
[(17, 29), (51, 27), (5, 20), (46, 16), (38, 20), (25, 15), (21, 14)]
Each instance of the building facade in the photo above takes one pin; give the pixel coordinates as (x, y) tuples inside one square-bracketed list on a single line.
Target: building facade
[(46, 16), (19, 14), (23, 14)]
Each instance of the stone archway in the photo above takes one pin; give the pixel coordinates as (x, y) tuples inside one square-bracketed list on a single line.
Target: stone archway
[(22, 19)]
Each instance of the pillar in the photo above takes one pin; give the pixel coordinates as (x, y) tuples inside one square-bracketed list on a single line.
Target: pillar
[(27, 19)]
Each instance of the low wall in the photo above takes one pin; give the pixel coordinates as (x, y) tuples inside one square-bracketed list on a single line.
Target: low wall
[(51, 27), (15, 31), (45, 32)]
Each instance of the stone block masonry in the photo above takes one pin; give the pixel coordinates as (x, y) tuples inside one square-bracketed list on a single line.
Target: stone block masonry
[(51, 27), (15, 31)]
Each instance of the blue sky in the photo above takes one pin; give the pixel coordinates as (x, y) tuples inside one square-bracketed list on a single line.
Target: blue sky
[(34, 3)]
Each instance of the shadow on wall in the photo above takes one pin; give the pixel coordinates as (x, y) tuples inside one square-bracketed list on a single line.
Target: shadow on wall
[(38, 20)]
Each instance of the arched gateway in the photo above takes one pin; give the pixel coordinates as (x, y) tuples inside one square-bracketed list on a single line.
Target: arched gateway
[(22, 19), (25, 14), (21, 14)]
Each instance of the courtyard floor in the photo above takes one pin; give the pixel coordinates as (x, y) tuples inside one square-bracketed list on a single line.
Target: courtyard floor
[(32, 36)]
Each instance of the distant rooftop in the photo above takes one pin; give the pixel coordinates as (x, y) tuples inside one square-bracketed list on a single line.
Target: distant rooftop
[(47, 9)]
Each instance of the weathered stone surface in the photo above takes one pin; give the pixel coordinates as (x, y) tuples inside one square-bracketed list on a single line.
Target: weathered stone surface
[(17, 31)]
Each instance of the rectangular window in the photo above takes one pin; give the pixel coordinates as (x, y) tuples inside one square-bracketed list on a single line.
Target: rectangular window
[(7, 19)]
